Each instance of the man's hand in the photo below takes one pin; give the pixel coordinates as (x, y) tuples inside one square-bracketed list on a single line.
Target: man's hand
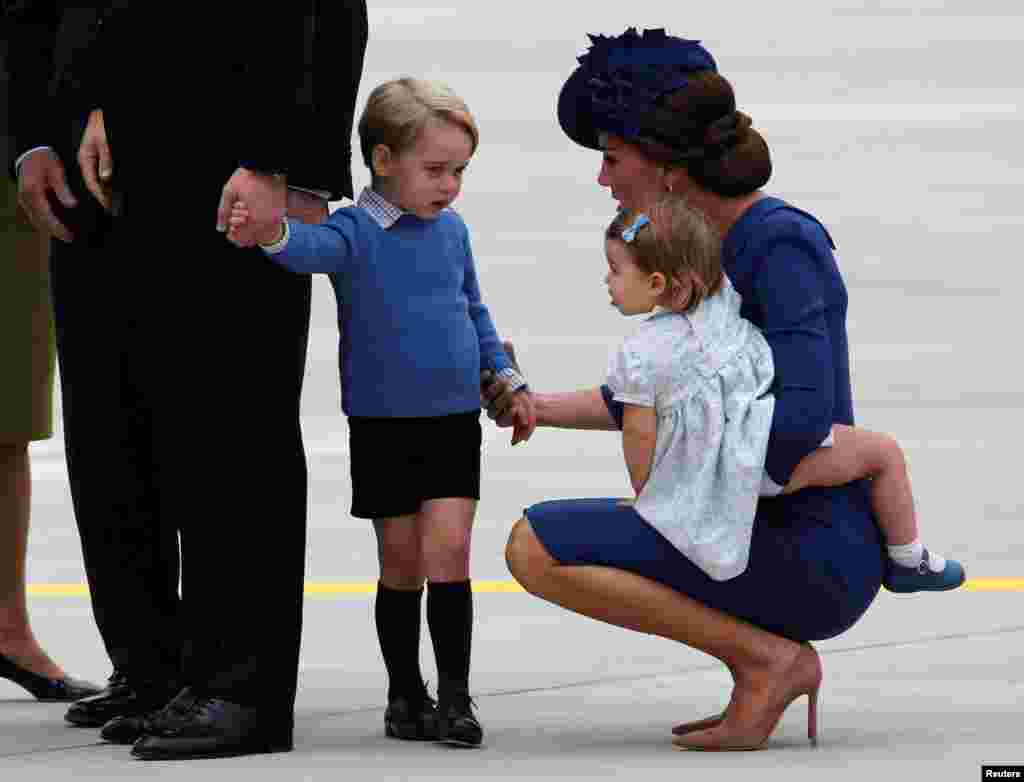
[(95, 161), (306, 207), (40, 174), (265, 199)]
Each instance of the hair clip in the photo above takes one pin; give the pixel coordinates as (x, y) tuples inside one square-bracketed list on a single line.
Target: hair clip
[(630, 233)]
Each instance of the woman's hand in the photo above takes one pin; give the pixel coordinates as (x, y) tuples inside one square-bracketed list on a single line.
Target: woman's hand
[(95, 161), (497, 394), (524, 414)]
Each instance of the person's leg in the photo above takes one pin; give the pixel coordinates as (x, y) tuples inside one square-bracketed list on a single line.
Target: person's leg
[(411, 713), (233, 471), (769, 671), (859, 453), (398, 605), (17, 642), (130, 553), (447, 525)]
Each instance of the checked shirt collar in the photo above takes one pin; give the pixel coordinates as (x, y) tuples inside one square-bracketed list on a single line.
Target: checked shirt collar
[(384, 213)]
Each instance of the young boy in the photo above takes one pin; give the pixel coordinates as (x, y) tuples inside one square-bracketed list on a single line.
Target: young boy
[(415, 336)]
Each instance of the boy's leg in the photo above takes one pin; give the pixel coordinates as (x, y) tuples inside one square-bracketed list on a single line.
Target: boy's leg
[(398, 609), (856, 454), (447, 525)]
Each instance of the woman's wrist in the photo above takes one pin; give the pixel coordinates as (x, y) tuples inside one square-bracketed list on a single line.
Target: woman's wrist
[(574, 410), (540, 408)]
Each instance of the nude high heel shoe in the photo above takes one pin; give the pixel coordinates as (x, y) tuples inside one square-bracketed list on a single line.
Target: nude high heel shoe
[(803, 678), (692, 727)]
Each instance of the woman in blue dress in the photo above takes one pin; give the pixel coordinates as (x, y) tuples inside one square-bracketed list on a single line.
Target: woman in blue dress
[(665, 120)]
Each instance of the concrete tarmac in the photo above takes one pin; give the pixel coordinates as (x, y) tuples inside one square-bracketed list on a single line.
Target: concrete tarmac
[(899, 125)]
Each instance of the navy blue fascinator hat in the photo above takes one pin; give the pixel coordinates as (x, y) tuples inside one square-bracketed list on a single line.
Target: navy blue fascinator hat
[(618, 83)]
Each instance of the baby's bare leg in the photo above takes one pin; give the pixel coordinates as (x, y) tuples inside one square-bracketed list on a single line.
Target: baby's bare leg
[(859, 453)]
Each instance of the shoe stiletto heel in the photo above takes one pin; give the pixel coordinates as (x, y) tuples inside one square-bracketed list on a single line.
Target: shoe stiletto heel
[(812, 716), (804, 679)]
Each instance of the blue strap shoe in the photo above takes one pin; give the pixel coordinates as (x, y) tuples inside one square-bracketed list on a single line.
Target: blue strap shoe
[(922, 578)]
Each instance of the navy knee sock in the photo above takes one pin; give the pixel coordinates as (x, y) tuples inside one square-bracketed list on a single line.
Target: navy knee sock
[(398, 616), (450, 619)]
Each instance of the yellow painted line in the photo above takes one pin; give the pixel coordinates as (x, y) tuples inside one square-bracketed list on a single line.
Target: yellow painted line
[(312, 588), (994, 585), (58, 590), (328, 588), (370, 587)]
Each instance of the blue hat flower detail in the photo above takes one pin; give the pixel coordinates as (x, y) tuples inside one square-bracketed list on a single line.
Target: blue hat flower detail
[(619, 80)]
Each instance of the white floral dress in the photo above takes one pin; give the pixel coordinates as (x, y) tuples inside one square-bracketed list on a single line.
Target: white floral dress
[(707, 374)]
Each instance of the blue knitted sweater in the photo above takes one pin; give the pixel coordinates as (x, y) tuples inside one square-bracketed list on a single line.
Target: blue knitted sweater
[(414, 330)]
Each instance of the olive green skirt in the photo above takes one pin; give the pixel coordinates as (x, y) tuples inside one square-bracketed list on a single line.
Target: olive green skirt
[(27, 351)]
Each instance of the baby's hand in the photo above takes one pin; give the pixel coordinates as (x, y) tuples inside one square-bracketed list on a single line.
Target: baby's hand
[(243, 231)]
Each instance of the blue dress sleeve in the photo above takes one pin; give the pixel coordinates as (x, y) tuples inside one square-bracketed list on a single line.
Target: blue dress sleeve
[(325, 248), (789, 288)]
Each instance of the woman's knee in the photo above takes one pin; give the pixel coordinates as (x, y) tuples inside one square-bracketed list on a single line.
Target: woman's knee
[(525, 554)]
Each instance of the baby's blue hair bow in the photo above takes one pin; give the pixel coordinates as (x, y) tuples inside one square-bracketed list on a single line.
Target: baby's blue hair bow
[(630, 233)]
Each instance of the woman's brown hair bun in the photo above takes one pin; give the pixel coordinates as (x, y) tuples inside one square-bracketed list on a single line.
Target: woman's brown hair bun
[(715, 143)]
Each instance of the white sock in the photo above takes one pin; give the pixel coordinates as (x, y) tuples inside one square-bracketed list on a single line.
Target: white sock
[(910, 555)]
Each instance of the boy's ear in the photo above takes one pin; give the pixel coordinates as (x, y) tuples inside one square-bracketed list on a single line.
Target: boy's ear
[(382, 160)]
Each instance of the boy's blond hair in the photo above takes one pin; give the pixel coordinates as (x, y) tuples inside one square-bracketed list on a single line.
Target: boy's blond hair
[(397, 112), (678, 242)]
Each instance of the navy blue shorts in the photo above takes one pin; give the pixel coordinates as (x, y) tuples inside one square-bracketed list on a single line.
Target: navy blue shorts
[(397, 463), (808, 579)]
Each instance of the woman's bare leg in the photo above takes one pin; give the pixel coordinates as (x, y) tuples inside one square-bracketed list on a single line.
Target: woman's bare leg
[(17, 641), (766, 668)]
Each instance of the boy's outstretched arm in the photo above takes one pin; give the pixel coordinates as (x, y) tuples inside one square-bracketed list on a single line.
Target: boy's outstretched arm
[(323, 248)]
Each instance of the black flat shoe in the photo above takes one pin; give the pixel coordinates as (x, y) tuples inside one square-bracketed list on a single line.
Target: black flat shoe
[(456, 722), (194, 726), (412, 718), (43, 688), (119, 698)]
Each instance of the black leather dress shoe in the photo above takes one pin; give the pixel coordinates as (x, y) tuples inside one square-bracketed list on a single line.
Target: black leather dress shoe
[(43, 688), (195, 726), (119, 698), (128, 728), (411, 718), (456, 722)]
